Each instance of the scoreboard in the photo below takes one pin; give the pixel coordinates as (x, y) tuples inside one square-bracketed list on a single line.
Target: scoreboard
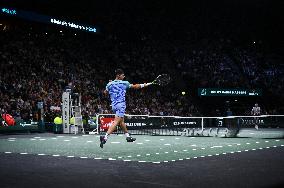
[(228, 92)]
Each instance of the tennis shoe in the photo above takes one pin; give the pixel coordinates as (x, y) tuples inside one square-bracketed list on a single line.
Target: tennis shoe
[(103, 141), (130, 139)]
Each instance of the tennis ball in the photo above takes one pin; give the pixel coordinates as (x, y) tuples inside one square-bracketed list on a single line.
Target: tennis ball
[(183, 93), (72, 120), (58, 120)]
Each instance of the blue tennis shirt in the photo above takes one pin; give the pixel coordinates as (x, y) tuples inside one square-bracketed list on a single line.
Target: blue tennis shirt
[(117, 90)]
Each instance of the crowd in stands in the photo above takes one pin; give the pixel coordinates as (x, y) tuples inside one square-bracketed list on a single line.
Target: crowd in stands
[(37, 66)]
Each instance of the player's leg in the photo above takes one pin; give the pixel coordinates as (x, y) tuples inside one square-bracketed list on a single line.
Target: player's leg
[(104, 138), (124, 128), (119, 110), (116, 122)]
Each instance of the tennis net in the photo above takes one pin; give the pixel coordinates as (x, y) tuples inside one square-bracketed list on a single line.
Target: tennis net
[(230, 126)]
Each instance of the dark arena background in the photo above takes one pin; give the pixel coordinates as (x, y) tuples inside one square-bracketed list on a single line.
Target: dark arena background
[(219, 122)]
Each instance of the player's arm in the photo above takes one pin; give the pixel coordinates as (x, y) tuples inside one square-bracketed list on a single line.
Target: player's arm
[(106, 89), (105, 92), (139, 86)]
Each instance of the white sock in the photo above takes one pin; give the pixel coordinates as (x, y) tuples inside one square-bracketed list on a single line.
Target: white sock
[(106, 136), (127, 134)]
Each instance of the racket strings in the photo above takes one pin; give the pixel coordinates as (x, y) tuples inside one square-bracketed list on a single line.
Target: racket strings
[(162, 79)]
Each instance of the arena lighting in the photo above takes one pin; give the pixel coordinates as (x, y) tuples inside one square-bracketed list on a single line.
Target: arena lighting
[(72, 25), (9, 11), (46, 19)]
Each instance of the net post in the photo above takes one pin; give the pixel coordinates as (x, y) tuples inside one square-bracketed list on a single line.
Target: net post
[(202, 122)]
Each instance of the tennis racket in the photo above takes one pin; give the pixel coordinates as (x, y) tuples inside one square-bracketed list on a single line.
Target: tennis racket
[(162, 80)]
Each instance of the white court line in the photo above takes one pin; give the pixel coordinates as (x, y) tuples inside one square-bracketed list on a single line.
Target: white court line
[(54, 138), (23, 153), (98, 158), (157, 153), (83, 157), (70, 156), (41, 154), (266, 141), (115, 142), (11, 140), (60, 136), (277, 140), (216, 146), (184, 150), (126, 160), (89, 141), (180, 159), (111, 159), (166, 152), (166, 161), (66, 140), (7, 152), (167, 144), (55, 155), (140, 143), (42, 139), (148, 154), (37, 137), (141, 161), (138, 155), (162, 139), (156, 162)]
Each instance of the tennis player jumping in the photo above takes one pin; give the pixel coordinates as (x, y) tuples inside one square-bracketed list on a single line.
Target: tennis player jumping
[(117, 89)]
